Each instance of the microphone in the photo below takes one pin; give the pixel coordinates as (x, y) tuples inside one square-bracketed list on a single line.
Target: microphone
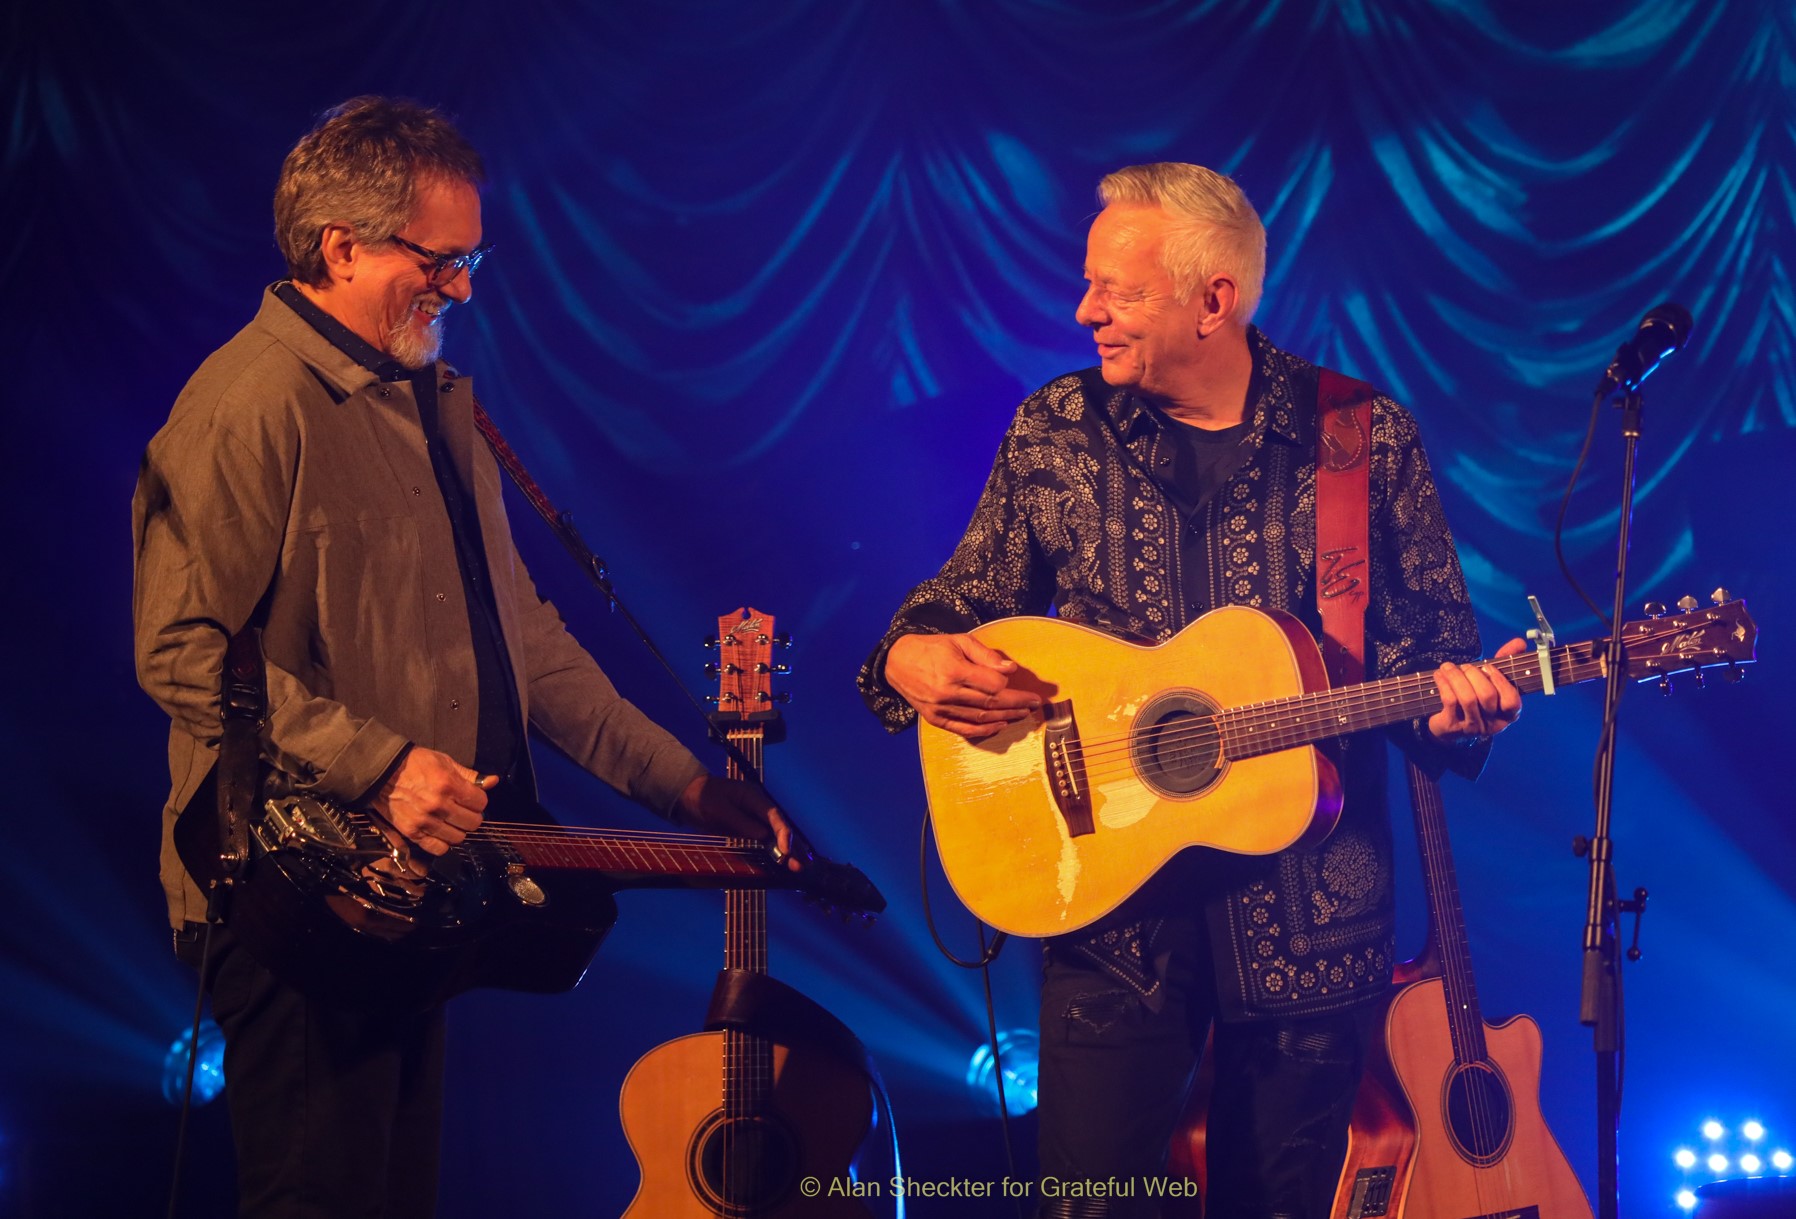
[(1662, 331)]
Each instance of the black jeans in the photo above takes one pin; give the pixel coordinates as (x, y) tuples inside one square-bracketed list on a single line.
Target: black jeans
[(335, 1114), (1114, 1078)]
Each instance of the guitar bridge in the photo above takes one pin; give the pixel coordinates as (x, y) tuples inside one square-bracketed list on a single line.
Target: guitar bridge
[(1065, 755)]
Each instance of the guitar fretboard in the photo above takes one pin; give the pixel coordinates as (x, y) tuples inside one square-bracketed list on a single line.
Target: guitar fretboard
[(1282, 723)]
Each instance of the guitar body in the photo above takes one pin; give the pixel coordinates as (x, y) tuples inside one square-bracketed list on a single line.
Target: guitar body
[(1381, 1134), (1015, 856), (1482, 1147), (342, 944), (1209, 739), (817, 1112)]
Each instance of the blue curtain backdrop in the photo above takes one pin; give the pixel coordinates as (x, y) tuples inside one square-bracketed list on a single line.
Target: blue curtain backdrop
[(769, 281)]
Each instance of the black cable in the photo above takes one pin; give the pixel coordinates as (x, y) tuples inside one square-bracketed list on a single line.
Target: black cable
[(986, 955), (193, 1057), (1565, 506)]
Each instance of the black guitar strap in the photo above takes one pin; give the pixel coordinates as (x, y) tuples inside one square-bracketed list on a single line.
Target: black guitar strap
[(243, 709)]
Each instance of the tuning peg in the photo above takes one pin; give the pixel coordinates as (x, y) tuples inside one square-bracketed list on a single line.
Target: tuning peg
[(1735, 672), (711, 669), (783, 639), (1665, 684), (784, 696), (1721, 596), (764, 667), (1687, 603), (1654, 609), (710, 641), (1699, 678), (782, 670)]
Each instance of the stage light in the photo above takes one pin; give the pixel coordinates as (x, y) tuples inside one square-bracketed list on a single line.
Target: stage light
[(1686, 1199), (1020, 1052), (208, 1072), (1717, 1163), (1781, 1160), (1685, 1158), (1750, 1164), (1713, 1129), (1753, 1131)]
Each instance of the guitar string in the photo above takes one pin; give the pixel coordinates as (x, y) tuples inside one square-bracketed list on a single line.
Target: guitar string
[(1114, 755), (1310, 716), (1465, 1022), (747, 1071)]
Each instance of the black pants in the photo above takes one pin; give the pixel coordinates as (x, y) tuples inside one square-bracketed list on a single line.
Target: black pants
[(335, 1114), (1114, 1079)]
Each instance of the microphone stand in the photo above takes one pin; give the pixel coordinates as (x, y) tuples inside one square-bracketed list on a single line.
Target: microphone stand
[(1600, 1001)]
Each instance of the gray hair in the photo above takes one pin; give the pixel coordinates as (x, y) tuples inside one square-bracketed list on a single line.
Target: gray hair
[(1215, 230), (361, 166)]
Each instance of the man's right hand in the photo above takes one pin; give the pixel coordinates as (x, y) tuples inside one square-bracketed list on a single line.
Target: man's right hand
[(432, 799), (957, 683)]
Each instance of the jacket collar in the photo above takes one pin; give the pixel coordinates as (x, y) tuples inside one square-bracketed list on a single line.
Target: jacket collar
[(1273, 406), (334, 364)]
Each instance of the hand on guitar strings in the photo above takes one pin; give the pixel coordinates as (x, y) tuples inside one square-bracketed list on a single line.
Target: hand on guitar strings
[(1477, 701), (432, 799), (739, 810), (958, 684)]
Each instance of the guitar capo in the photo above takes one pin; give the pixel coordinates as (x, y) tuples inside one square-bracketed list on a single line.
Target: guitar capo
[(1541, 637)]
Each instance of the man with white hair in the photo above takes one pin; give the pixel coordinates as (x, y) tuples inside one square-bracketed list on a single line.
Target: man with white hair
[(1178, 476)]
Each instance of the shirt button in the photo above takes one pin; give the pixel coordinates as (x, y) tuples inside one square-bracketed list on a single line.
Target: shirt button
[(442, 597), (455, 704), (448, 385), (385, 392), (417, 491)]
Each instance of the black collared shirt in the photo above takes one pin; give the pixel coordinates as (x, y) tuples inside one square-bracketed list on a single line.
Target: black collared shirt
[(499, 750)]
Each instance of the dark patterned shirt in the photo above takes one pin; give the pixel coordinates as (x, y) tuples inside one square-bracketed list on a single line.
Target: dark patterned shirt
[(1083, 517)]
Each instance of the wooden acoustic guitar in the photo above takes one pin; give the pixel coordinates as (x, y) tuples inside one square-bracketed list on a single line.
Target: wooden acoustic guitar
[(1447, 1124), (728, 1122), (1208, 739)]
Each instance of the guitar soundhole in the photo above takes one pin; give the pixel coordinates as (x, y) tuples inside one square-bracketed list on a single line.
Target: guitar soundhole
[(742, 1166), (1479, 1115), (1175, 744)]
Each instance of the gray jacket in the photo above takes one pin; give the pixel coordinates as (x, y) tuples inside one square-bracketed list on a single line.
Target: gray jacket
[(291, 486)]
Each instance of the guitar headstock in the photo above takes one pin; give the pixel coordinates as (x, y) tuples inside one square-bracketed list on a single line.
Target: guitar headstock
[(745, 670), (840, 887), (1658, 646)]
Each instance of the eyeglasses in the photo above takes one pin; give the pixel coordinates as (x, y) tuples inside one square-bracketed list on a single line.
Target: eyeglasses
[(445, 267)]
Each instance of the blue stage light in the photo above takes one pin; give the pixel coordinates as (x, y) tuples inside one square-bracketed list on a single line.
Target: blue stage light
[(208, 1072), (1685, 1158), (1713, 1129), (1020, 1052), (1686, 1199), (1718, 1163), (1750, 1164), (1753, 1131), (1781, 1160)]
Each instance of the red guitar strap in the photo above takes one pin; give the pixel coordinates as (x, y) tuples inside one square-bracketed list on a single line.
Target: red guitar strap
[(1343, 522)]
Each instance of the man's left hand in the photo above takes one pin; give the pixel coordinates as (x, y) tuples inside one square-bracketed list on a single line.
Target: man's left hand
[(738, 809), (1477, 701)]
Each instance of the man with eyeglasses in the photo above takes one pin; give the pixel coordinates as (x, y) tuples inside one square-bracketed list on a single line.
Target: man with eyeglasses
[(320, 478)]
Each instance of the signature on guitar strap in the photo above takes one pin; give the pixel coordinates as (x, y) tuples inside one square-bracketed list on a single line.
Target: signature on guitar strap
[(1343, 522)]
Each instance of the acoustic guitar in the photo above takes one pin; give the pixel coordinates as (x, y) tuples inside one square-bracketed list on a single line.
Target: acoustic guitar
[(1208, 739), (1448, 1122), (729, 1122)]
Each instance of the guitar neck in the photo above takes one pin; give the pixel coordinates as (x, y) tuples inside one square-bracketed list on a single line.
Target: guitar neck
[(626, 858), (1446, 919), (1304, 719)]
